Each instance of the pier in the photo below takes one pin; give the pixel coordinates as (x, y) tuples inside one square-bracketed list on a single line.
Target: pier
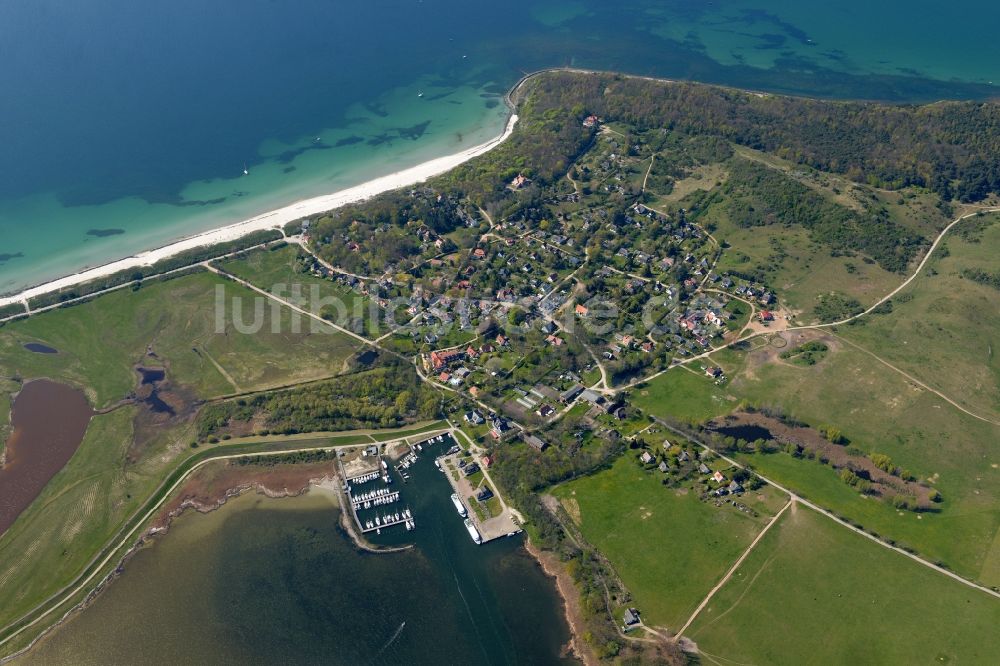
[(367, 479), (379, 497), (404, 517)]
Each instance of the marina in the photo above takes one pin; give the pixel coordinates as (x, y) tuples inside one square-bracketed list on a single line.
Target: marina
[(368, 477), (376, 506)]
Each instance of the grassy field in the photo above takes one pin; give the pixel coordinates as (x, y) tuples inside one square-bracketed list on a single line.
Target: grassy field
[(100, 342), (880, 411), (278, 270), (800, 269), (945, 329), (813, 592), (669, 547), (684, 395)]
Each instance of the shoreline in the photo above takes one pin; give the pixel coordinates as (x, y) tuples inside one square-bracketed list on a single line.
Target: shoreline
[(274, 219), (571, 602), (214, 498), (205, 500)]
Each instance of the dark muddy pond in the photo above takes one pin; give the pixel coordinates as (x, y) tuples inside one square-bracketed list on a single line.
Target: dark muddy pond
[(39, 348), (367, 357), (749, 433), (49, 420), (151, 375)]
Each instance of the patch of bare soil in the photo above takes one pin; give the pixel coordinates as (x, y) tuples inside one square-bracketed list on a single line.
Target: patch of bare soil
[(213, 485), (771, 352), (882, 483)]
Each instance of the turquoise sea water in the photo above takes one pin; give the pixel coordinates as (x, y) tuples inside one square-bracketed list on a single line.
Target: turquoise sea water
[(127, 125)]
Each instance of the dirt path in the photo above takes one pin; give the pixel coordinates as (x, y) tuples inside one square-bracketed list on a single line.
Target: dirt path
[(732, 570), (645, 178), (916, 381), (222, 371), (824, 512), (916, 272)]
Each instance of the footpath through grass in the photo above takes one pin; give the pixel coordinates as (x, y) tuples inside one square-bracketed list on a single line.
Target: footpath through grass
[(669, 547), (283, 272), (880, 411), (100, 341), (813, 592)]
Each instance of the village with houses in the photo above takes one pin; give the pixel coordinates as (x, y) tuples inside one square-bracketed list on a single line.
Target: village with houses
[(542, 318)]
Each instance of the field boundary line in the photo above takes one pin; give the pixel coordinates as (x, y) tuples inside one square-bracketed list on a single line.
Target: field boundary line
[(832, 324), (915, 380), (729, 574), (829, 514)]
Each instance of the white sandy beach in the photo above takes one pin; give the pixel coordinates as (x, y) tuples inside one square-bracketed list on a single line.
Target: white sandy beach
[(273, 219)]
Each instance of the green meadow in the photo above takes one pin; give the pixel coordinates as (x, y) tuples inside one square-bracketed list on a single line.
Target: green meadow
[(813, 592), (101, 341), (880, 411), (944, 328), (113, 473), (668, 546), (278, 270)]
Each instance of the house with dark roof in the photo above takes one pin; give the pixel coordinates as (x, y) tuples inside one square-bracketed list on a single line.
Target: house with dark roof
[(535, 442)]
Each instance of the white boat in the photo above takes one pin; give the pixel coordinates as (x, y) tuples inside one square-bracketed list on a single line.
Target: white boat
[(245, 171), (420, 94), (437, 463), (459, 506), (473, 532)]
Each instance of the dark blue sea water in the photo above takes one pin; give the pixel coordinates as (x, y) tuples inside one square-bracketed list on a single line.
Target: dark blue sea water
[(141, 117)]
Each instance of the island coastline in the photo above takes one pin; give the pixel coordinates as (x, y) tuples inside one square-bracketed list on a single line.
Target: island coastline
[(274, 219)]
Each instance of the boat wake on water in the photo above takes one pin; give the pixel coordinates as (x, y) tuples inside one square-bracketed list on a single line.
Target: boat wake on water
[(390, 641)]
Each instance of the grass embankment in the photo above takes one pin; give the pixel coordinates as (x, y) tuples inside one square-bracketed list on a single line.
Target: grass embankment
[(879, 411), (812, 592), (29, 582), (668, 546), (111, 475)]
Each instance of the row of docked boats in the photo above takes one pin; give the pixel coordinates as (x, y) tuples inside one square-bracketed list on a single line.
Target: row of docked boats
[(390, 519)]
